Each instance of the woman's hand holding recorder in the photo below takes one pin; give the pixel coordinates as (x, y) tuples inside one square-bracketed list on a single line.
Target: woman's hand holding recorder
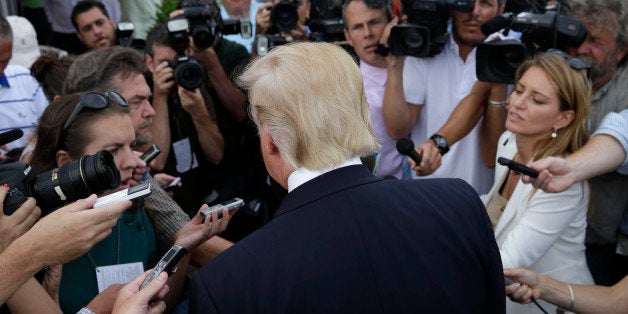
[(200, 229)]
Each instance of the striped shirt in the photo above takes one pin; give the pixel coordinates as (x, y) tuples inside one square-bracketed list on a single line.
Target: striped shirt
[(22, 101)]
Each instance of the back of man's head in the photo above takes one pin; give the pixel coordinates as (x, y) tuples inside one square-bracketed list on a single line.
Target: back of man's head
[(6, 33), (101, 69), (600, 14), (157, 36), (319, 117), (84, 6)]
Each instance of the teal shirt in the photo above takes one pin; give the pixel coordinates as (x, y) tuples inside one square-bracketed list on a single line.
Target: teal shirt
[(136, 244)]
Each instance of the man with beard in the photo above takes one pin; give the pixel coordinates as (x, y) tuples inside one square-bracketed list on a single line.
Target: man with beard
[(605, 48), (421, 94), (93, 25)]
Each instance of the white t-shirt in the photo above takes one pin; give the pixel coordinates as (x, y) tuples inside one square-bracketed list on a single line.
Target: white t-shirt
[(439, 84)]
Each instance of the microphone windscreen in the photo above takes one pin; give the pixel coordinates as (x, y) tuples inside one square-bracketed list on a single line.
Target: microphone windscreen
[(405, 146), (10, 136)]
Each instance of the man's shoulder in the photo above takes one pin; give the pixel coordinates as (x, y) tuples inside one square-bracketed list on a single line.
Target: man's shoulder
[(14, 71)]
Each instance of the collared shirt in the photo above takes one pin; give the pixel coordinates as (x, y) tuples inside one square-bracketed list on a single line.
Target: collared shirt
[(390, 160), (21, 103), (439, 84), (302, 175), (609, 98)]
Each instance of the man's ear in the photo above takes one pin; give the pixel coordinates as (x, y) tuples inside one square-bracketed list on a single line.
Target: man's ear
[(149, 62), (269, 144), (62, 158), (564, 119)]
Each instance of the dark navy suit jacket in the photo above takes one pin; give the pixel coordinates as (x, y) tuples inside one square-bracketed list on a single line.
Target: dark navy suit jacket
[(349, 242)]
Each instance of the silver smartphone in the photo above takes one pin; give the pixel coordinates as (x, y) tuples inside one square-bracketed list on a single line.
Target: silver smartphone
[(229, 205), (140, 190)]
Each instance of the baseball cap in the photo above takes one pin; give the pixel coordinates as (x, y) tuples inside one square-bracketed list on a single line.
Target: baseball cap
[(25, 45)]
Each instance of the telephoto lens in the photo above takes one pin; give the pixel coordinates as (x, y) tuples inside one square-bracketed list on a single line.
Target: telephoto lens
[(78, 179), (284, 15)]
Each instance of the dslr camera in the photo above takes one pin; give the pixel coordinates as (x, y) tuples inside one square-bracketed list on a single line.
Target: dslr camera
[(497, 61), (284, 15), (425, 34), (78, 179), (188, 72), (198, 23)]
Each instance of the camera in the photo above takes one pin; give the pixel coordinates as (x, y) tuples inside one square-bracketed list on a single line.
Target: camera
[(78, 179), (284, 15), (124, 33), (497, 61), (205, 30), (264, 43), (188, 72), (425, 34)]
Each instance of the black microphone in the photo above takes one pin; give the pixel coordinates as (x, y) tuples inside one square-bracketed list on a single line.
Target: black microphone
[(405, 146), (10, 136), (497, 23)]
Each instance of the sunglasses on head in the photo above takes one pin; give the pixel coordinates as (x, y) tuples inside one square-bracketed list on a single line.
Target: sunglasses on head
[(573, 62), (94, 100)]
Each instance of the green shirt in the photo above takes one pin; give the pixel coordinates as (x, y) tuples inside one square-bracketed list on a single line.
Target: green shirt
[(131, 240)]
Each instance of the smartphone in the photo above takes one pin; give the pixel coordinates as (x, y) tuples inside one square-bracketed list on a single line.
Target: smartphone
[(229, 205), (172, 184), (150, 154), (141, 190), (517, 167), (167, 263)]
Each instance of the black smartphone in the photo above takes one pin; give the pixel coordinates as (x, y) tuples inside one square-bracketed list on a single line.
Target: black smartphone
[(229, 205), (150, 154), (167, 263), (517, 167)]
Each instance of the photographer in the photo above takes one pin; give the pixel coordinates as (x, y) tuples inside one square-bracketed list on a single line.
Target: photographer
[(80, 124), (182, 116), (289, 24)]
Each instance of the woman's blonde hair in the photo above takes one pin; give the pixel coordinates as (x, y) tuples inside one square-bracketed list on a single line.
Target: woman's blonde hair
[(574, 92), (309, 97)]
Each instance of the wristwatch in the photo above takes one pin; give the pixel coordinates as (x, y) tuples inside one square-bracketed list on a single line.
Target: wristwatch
[(441, 143)]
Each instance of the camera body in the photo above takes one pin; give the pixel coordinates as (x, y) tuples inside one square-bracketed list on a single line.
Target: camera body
[(284, 15), (497, 61), (52, 189), (425, 34), (264, 43)]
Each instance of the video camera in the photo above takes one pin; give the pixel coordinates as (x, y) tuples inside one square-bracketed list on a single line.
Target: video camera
[(497, 61), (52, 189), (425, 34), (326, 20)]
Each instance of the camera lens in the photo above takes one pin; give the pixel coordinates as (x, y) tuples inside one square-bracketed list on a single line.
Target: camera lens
[(189, 74), (284, 15), (203, 37), (413, 40), (77, 179)]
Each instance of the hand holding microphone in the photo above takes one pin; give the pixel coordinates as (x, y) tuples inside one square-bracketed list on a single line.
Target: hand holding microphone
[(405, 146), (426, 157)]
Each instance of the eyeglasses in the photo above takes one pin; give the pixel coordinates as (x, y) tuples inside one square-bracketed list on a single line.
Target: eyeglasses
[(574, 62), (94, 100)]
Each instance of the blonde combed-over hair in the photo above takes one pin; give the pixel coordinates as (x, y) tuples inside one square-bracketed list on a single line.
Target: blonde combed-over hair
[(309, 97)]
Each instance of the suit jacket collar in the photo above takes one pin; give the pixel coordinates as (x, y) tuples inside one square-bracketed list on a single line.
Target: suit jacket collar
[(326, 184)]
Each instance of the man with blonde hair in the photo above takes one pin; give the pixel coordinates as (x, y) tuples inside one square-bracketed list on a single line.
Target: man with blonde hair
[(343, 240)]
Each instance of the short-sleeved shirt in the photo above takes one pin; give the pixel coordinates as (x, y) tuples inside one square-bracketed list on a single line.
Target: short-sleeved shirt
[(438, 84), (22, 101)]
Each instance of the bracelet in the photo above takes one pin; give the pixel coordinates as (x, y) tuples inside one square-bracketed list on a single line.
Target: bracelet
[(85, 310), (572, 301), (498, 103)]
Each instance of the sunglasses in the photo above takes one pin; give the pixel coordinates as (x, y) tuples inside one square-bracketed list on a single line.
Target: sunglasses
[(94, 100), (574, 62)]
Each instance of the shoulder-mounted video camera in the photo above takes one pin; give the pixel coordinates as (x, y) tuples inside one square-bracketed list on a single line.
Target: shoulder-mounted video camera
[(284, 15), (497, 61), (425, 34), (326, 20)]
